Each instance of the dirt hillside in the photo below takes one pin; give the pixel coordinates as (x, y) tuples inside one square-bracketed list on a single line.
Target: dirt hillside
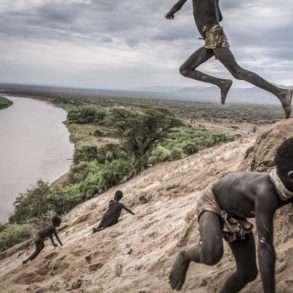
[(136, 254)]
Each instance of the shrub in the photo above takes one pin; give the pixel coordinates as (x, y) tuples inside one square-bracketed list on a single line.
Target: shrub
[(14, 234), (99, 178), (85, 153), (64, 199), (98, 133), (105, 176), (160, 154), (79, 172), (86, 114), (32, 204), (5, 103), (176, 154), (115, 171), (114, 152), (190, 149), (140, 130)]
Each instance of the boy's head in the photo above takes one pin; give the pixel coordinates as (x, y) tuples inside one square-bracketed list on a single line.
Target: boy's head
[(284, 160), (56, 221), (118, 195)]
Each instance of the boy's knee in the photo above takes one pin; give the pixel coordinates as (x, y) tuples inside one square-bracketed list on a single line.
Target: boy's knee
[(252, 275), (249, 275), (212, 255), (184, 71), (40, 245)]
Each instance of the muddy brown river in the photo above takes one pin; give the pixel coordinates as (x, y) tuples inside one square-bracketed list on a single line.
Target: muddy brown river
[(34, 144)]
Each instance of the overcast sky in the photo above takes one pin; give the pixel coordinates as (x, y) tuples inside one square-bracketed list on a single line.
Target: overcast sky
[(128, 44)]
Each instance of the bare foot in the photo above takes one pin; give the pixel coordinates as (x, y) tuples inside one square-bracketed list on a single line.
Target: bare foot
[(178, 272), (225, 87), (95, 230), (286, 99)]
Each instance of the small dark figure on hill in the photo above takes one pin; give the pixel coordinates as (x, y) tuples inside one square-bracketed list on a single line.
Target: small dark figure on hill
[(112, 215), (42, 235)]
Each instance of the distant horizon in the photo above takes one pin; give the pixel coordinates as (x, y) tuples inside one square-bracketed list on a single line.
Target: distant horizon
[(209, 94)]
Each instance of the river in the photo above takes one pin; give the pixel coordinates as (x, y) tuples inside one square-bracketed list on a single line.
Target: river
[(34, 144)]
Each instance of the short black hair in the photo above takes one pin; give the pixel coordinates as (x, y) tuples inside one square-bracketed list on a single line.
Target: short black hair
[(56, 221), (284, 157), (118, 195)]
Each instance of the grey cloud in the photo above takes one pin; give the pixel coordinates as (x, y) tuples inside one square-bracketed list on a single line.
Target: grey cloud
[(140, 25)]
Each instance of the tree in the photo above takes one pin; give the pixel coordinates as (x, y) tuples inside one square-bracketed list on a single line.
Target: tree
[(140, 129), (32, 204)]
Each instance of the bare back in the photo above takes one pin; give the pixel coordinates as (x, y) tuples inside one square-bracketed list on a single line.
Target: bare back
[(238, 193), (206, 13)]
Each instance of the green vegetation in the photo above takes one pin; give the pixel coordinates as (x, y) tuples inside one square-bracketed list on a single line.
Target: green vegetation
[(13, 234), (112, 145), (141, 130), (183, 141), (5, 103)]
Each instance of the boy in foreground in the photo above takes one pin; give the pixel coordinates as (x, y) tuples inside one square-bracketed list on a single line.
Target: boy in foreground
[(223, 210)]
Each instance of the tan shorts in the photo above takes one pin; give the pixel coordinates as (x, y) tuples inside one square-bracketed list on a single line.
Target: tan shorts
[(207, 203), (216, 38), (233, 229)]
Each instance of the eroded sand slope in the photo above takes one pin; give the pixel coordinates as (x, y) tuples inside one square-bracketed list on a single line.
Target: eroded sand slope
[(136, 255)]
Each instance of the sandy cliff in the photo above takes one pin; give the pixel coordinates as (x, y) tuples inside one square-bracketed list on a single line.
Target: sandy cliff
[(136, 255)]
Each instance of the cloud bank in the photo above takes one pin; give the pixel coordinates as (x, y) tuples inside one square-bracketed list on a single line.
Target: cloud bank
[(129, 44)]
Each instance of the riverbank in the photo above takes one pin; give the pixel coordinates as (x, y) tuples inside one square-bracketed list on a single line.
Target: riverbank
[(35, 143), (104, 156), (5, 103)]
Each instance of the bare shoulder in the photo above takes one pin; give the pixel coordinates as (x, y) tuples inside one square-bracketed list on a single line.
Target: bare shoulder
[(242, 178), (256, 183)]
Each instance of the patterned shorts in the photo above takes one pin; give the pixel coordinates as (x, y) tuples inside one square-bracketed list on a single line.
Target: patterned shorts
[(216, 38), (233, 229)]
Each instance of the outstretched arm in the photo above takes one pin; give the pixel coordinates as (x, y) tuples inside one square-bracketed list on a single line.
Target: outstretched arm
[(175, 8), (57, 237), (128, 210), (220, 16), (52, 240), (266, 253)]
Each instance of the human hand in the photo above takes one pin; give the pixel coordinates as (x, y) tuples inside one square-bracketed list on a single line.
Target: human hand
[(170, 15)]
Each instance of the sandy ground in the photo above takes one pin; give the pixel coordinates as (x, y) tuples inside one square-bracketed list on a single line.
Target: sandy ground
[(136, 255)]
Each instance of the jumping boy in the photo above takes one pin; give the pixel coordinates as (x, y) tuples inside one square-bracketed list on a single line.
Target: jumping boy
[(207, 15)]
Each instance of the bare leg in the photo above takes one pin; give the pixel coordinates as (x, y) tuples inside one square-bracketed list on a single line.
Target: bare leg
[(188, 69), (209, 252), (244, 253), (97, 229), (227, 59), (39, 247)]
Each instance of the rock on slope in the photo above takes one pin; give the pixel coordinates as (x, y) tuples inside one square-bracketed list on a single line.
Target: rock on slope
[(136, 255)]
